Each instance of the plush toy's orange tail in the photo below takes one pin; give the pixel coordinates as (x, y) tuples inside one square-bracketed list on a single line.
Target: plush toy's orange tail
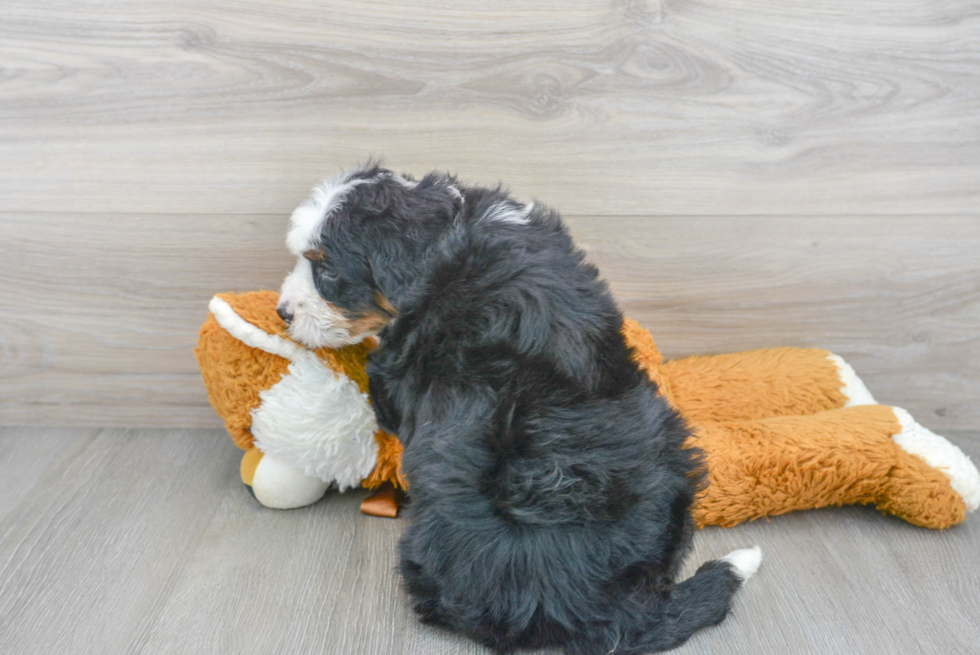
[(784, 429), (837, 457), (755, 384)]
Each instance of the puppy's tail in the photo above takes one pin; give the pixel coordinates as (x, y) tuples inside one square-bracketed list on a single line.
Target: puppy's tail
[(700, 601)]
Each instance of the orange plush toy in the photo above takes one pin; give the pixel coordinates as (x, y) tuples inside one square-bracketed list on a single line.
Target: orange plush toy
[(781, 429), (302, 417)]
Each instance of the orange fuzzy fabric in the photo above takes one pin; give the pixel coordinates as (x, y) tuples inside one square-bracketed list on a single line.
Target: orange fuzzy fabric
[(776, 437), (772, 425), (645, 354), (234, 375), (756, 384), (259, 309), (389, 468), (837, 457)]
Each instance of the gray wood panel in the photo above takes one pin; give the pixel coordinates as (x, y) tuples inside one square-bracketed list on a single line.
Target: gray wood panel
[(151, 153), (144, 541), (99, 322), (898, 297), (90, 554), (656, 107), (26, 455)]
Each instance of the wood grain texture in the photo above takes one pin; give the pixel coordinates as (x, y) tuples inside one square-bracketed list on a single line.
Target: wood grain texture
[(98, 324), (89, 555), (25, 455), (612, 108), (145, 542), (897, 297)]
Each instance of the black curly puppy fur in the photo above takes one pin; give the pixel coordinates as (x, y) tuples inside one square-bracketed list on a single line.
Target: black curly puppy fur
[(550, 491)]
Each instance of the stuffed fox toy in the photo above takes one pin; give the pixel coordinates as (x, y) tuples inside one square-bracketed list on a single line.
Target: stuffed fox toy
[(780, 429), (302, 417)]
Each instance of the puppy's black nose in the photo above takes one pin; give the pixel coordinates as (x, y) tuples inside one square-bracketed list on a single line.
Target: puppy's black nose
[(284, 314)]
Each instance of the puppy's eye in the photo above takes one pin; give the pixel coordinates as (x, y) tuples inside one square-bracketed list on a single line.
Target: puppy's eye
[(325, 271)]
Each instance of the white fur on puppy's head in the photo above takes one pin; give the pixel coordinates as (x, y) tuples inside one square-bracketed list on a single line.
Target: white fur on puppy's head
[(338, 292), (307, 220), (315, 322)]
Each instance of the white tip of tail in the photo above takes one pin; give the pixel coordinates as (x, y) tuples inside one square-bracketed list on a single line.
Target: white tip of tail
[(745, 561)]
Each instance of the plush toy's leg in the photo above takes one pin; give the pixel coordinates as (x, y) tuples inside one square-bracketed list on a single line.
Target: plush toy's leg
[(383, 502), (941, 455), (761, 384), (866, 454), (278, 485)]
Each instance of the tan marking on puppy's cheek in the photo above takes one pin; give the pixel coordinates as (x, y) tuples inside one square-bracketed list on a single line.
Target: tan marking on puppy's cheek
[(343, 320), (381, 301), (368, 322)]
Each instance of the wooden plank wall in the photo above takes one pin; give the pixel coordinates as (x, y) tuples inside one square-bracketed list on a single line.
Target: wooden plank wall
[(746, 173)]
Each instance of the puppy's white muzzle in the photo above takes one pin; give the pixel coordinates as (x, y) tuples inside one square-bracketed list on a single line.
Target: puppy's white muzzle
[(312, 320)]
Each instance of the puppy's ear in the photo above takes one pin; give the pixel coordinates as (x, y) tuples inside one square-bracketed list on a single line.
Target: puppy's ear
[(393, 269), (411, 221), (457, 194), (443, 194)]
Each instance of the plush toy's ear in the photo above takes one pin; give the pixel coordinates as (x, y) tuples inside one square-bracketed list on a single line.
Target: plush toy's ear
[(251, 318), (235, 369)]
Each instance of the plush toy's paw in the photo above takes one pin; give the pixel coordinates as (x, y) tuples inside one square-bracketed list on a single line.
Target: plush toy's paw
[(941, 455), (383, 502), (277, 485), (852, 386)]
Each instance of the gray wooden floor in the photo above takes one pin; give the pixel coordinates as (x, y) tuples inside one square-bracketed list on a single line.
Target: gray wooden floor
[(144, 541)]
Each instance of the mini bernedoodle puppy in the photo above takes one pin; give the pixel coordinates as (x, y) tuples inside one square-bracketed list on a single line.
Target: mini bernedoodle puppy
[(549, 488)]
